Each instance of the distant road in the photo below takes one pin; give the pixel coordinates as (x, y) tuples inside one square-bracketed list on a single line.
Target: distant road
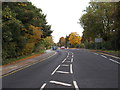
[(75, 68)]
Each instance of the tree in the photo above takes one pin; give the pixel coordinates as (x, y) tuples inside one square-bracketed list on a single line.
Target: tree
[(62, 41), (24, 28), (101, 20), (74, 38)]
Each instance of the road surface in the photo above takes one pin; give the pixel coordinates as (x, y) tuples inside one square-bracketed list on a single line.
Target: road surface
[(74, 69)]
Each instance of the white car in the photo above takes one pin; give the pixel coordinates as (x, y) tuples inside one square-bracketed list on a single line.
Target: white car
[(62, 47)]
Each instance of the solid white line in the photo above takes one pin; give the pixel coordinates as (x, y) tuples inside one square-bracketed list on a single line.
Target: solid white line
[(72, 60), (43, 86), (62, 72), (60, 83), (63, 60), (103, 56), (64, 65), (71, 71), (96, 53), (75, 85), (114, 61), (55, 70)]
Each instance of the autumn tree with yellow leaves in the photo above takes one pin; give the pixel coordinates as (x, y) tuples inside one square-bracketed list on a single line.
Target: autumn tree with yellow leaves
[(74, 38), (25, 30)]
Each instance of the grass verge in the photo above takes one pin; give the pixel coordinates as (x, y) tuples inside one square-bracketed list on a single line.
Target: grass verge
[(14, 60)]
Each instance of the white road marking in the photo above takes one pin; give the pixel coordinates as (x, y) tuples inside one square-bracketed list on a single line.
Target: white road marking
[(71, 71), (96, 53), (72, 60), (55, 70), (62, 72), (67, 61), (64, 65), (60, 83), (43, 86), (103, 56), (63, 60), (75, 85), (114, 61), (68, 54), (72, 55)]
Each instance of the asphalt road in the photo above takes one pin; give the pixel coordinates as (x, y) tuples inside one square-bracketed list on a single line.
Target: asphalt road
[(74, 69)]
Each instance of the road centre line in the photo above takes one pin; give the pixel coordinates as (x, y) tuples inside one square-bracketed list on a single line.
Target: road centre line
[(72, 60), (114, 61), (68, 54), (71, 71), (103, 56), (96, 53), (55, 70), (75, 85), (61, 83), (67, 61), (62, 72), (43, 86), (72, 55), (63, 60), (64, 65)]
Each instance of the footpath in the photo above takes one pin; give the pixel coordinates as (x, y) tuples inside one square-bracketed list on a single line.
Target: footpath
[(21, 64)]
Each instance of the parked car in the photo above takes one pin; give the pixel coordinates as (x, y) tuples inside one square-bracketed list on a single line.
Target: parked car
[(62, 47), (54, 47)]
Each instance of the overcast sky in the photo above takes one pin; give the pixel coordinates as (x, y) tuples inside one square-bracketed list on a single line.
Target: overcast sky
[(63, 15)]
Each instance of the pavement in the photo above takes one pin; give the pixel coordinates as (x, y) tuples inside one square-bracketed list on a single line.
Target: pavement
[(25, 63), (69, 69)]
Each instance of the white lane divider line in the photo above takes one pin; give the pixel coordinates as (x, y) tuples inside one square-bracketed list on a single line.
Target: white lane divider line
[(55, 70), (63, 60), (75, 85), (103, 56), (67, 61), (62, 72), (68, 54), (114, 61), (71, 71), (96, 54), (72, 60), (64, 65), (61, 83), (43, 86), (72, 56)]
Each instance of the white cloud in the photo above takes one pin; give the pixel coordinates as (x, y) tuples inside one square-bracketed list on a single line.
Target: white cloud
[(63, 15)]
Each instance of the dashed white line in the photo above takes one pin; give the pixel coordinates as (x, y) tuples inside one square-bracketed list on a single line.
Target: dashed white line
[(72, 56), (60, 83), (68, 54), (62, 72), (67, 61), (96, 53), (71, 71), (114, 61), (63, 60), (64, 65), (75, 85), (103, 56), (72, 60), (43, 86), (55, 70)]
